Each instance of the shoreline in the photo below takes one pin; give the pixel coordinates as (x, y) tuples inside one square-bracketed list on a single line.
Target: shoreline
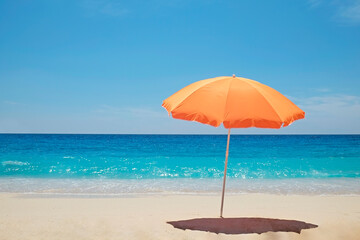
[(145, 217), (146, 195), (180, 186)]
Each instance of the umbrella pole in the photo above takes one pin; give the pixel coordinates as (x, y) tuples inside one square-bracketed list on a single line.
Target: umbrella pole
[(226, 161)]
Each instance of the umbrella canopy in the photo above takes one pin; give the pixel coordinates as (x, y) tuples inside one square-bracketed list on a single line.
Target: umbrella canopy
[(234, 102)]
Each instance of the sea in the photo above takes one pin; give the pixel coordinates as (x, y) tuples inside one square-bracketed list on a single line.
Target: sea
[(112, 165)]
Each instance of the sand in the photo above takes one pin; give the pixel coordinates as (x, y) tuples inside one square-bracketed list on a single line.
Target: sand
[(24, 216)]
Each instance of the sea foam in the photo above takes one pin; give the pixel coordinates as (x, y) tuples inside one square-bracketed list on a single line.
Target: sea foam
[(15, 163), (335, 186)]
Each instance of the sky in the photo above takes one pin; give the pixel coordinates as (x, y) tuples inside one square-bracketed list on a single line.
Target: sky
[(90, 66)]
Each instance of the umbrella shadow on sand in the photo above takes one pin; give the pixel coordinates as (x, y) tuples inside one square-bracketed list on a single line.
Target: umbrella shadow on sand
[(242, 225)]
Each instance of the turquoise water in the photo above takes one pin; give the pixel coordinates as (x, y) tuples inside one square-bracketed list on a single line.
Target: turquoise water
[(179, 156), (28, 159)]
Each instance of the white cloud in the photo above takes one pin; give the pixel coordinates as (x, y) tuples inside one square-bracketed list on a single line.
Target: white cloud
[(350, 13), (314, 3), (345, 11), (335, 113), (335, 99)]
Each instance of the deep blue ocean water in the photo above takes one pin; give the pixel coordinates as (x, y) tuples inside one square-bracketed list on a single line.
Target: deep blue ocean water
[(80, 158)]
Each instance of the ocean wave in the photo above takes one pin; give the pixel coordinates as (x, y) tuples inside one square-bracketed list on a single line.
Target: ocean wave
[(15, 163)]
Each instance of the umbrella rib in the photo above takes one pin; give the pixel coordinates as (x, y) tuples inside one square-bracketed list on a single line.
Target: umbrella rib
[(164, 102), (267, 100), (227, 97)]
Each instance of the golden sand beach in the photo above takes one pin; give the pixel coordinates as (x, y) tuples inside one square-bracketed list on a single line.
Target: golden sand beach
[(28, 216)]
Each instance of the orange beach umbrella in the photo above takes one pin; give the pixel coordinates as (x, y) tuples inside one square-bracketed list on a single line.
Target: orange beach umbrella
[(236, 103)]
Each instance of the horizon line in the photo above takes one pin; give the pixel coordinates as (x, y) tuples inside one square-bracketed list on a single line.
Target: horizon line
[(285, 134)]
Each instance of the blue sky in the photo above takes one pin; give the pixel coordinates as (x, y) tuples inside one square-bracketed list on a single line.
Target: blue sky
[(106, 66)]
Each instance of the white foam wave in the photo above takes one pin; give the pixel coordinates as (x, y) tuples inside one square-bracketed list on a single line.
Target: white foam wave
[(15, 163), (336, 186)]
